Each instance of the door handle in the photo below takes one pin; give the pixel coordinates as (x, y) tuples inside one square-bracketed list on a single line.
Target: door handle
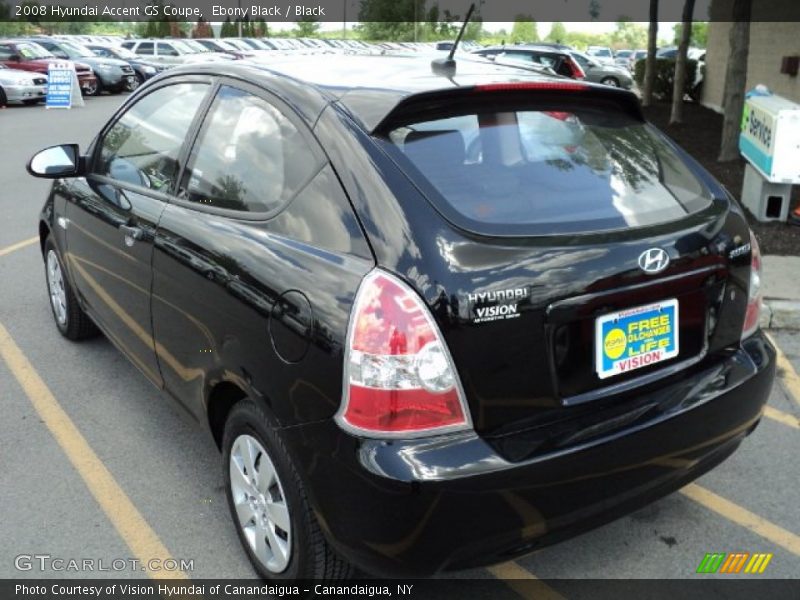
[(134, 233)]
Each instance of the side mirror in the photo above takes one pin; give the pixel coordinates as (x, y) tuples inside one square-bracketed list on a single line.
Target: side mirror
[(56, 162)]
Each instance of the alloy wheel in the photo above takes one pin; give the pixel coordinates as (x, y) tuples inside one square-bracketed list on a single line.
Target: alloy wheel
[(55, 281), (261, 507)]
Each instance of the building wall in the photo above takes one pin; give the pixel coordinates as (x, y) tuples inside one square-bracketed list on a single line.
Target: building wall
[(769, 42)]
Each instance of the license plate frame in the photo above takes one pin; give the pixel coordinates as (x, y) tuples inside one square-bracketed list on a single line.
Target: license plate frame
[(633, 338)]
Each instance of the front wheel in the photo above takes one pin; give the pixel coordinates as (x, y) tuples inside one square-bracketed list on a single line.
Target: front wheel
[(70, 319), (268, 502), (91, 89)]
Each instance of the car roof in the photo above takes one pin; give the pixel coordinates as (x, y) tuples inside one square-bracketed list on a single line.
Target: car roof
[(369, 87)]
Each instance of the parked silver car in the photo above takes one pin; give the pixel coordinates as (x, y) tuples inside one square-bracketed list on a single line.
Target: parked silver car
[(603, 73), (21, 86)]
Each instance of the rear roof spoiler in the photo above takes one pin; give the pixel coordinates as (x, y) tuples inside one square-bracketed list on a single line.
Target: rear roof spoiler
[(407, 109)]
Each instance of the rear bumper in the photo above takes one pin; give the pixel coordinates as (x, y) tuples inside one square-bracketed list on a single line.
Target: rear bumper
[(423, 506)]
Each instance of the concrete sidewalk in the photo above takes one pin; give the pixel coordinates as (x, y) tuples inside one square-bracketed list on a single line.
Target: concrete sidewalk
[(781, 309)]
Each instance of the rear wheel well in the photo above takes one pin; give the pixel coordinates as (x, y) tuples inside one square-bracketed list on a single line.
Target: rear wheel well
[(44, 231), (220, 402)]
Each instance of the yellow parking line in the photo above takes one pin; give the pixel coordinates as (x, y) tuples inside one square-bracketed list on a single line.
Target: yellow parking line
[(788, 376), (781, 417), (18, 246), (523, 582), (741, 516), (127, 520)]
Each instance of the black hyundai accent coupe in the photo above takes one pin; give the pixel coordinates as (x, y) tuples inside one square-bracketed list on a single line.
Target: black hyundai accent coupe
[(433, 320)]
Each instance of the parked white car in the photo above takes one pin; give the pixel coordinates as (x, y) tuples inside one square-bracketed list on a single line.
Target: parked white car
[(21, 86)]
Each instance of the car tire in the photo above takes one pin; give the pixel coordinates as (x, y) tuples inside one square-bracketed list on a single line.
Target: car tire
[(302, 552), (71, 321), (92, 89), (3, 98), (612, 81), (140, 78)]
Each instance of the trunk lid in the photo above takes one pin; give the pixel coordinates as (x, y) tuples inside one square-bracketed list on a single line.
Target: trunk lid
[(559, 201)]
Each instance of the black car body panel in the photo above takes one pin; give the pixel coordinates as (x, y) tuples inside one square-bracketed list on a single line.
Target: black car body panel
[(213, 305)]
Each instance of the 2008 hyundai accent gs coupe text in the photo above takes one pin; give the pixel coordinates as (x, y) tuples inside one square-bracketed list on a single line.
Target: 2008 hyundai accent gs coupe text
[(432, 321)]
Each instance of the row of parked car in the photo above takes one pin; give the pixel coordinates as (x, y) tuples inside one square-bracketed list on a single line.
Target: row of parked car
[(113, 64)]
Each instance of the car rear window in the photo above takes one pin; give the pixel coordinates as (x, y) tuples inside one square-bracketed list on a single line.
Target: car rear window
[(548, 169)]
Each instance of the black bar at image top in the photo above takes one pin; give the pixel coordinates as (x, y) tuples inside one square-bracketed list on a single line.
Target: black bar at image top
[(273, 11)]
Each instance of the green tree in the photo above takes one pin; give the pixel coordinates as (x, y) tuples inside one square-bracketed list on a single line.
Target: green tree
[(228, 29), (628, 34), (390, 19), (306, 27), (524, 29), (699, 34), (558, 33)]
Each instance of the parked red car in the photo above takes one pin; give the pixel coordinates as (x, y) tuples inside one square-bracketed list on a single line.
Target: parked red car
[(28, 56)]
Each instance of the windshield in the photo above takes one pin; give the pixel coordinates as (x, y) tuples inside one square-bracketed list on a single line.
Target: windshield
[(32, 51), (224, 45), (122, 53), (77, 50), (196, 46), (182, 47), (552, 168)]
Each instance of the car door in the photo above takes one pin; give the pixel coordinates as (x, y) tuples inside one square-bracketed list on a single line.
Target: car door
[(113, 212), (252, 258)]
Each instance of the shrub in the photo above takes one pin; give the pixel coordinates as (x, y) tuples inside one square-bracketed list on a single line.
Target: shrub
[(665, 77)]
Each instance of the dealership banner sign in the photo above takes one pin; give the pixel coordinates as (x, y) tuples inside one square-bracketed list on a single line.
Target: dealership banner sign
[(63, 89)]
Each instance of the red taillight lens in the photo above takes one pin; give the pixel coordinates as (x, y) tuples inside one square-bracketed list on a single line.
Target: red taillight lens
[(531, 85), (575, 69), (754, 293), (399, 377)]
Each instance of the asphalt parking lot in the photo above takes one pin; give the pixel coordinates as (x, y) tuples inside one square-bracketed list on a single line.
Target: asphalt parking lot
[(95, 463)]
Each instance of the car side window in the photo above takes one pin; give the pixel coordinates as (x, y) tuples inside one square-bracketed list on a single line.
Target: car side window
[(143, 146), (520, 56), (145, 48), (248, 157), (6, 52), (166, 50)]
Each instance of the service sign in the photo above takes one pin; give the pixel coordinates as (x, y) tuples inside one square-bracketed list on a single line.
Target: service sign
[(756, 140), (770, 137), (61, 84), (637, 337)]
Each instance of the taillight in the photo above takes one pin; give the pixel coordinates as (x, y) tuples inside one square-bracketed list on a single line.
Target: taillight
[(575, 69), (399, 378), (754, 293)]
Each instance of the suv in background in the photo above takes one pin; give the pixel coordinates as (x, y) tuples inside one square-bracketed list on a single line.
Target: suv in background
[(601, 53), (560, 61), (143, 69), (29, 56)]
